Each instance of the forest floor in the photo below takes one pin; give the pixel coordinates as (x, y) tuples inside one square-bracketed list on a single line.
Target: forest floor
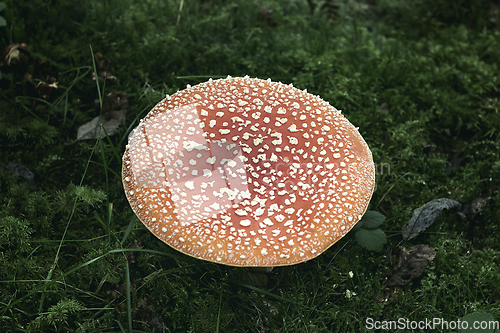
[(419, 78)]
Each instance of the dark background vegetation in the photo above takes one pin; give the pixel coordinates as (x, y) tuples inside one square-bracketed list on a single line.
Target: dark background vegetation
[(419, 77)]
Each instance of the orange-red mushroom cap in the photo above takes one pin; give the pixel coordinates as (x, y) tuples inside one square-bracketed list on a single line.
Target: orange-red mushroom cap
[(247, 172)]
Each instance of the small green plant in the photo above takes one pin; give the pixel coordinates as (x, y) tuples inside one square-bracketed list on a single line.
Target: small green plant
[(15, 233), (57, 316), (485, 319), (368, 234), (89, 196)]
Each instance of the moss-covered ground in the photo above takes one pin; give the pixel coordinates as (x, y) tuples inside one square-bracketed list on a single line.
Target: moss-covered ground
[(419, 78)]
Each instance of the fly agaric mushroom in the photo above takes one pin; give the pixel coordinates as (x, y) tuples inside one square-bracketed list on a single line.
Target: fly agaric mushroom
[(247, 172)]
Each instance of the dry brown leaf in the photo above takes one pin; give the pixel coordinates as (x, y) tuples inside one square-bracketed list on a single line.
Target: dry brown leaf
[(45, 90), (473, 208), (15, 56), (24, 172), (104, 71), (114, 101), (411, 264)]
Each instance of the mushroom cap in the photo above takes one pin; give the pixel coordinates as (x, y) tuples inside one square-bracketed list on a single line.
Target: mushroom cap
[(247, 172)]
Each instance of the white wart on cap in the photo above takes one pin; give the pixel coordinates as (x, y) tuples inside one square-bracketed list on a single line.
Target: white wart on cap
[(247, 172)]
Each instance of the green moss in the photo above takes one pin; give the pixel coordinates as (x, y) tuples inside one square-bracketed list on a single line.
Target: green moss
[(15, 235), (419, 78), (57, 317)]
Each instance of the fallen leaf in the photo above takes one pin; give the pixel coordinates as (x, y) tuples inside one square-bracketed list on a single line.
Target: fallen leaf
[(103, 73), (15, 56), (105, 77), (411, 264), (46, 90), (114, 101), (114, 109), (110, 122), (20, 170), (471, 209), (424, 216)]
